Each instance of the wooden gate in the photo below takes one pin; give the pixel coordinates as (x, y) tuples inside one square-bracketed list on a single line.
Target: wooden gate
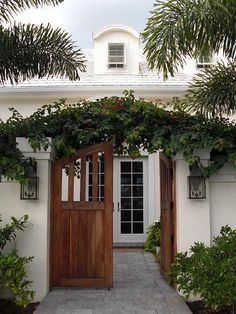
[(167, 214), (81, 220)]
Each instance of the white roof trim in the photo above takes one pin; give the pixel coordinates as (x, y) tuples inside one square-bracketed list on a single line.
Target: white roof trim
[(115, 27)]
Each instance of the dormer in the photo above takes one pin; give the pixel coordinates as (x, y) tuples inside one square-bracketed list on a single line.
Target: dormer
[(116, 50)]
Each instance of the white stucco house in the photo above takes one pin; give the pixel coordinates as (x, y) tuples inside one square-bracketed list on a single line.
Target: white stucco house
[(115, 64)]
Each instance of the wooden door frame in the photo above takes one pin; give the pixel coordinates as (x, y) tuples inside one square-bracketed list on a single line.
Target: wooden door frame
[(171, 207)]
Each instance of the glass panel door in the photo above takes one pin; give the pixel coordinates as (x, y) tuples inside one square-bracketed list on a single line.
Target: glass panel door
[(132, 201)]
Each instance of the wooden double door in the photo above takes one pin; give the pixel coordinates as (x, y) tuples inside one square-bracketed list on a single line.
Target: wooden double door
[(81, 220)]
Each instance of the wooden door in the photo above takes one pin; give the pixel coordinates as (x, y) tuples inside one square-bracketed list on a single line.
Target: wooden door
[(167, 214), (81, 220)]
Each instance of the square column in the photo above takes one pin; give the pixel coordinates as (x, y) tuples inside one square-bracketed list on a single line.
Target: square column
[(35, 240)]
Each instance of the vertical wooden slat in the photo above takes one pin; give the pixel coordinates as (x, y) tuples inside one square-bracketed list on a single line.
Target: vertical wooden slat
[(108, 221), (99, 245), (95, 177), (174, 209), (65, 244), (91, 238), (73, 243), (82, 244), (71, 183), (56, 224), (83, 179)]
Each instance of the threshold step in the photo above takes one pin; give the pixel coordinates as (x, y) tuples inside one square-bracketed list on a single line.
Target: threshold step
[(128, 245)]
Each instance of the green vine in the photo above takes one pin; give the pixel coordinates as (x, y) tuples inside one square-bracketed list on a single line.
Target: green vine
[(124, 120)]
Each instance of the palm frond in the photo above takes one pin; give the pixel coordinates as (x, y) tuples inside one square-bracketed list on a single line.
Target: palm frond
[(178, 29), (28, 51), (10, 7), (213, 91)]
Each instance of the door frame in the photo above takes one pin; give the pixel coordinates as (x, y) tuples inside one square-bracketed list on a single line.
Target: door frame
[(168, 213), (117, 236)]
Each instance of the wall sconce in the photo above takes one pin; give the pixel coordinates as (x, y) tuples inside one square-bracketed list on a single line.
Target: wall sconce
[(196, 183), (30, 188)]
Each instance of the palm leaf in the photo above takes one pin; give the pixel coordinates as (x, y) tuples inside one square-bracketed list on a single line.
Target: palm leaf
[(212, 92), (178, 29), (10, 7), (28, 51)]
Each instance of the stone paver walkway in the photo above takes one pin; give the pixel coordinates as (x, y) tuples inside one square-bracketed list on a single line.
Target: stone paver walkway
[(138, 289)]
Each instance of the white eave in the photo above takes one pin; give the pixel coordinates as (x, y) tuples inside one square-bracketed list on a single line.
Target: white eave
[(70, 91)]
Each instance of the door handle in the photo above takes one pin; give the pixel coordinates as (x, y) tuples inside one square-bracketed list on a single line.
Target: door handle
[(118, 206)]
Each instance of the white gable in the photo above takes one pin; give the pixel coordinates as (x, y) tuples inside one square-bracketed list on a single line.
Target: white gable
[(116, 34)]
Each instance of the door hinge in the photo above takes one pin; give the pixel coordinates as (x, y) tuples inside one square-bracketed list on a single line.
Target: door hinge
[(172, 239), (172, 205)]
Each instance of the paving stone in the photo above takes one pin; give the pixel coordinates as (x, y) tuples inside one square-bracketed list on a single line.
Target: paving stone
[(138, 289)]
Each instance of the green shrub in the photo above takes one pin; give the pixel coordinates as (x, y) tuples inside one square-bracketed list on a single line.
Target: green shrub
[(12, 267), (209, 272), (153, 237)]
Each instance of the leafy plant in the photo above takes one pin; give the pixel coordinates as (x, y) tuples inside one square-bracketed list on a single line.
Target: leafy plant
[(153, 237), (12, 267), (209, 272), (137, 123), (8, 232), (29, 50), (182, 29)]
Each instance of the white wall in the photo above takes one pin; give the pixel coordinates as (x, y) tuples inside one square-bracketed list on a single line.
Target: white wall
[(34, 241), (201, 220), (223, 199), (193, 216)]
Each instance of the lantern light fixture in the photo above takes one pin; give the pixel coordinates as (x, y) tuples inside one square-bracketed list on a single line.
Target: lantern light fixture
[(196, 183), (30, 187)]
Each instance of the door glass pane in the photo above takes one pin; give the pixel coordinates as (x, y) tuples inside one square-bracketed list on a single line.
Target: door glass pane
[(125, 215), (138, 203), (138, 178), (125, 167), (125, 190), (138, 215), (138, 190), (126, 227), (125, 178), (137, 166), (137, 227), (126, 203), (131, 197)]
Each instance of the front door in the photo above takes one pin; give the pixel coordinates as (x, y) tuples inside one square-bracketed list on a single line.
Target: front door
[(81, 220), (130, 206)]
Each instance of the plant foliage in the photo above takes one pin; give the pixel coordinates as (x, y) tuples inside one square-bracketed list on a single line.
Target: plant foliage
[(178, 29), (202, 98), (28, 51), (11, 7), (12, 267), (8, 232), (209, 272), (132, 124), (153, 237), (181, 29)]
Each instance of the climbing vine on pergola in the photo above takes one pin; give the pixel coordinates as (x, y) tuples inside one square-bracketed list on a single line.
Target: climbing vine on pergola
[(129, 122)]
